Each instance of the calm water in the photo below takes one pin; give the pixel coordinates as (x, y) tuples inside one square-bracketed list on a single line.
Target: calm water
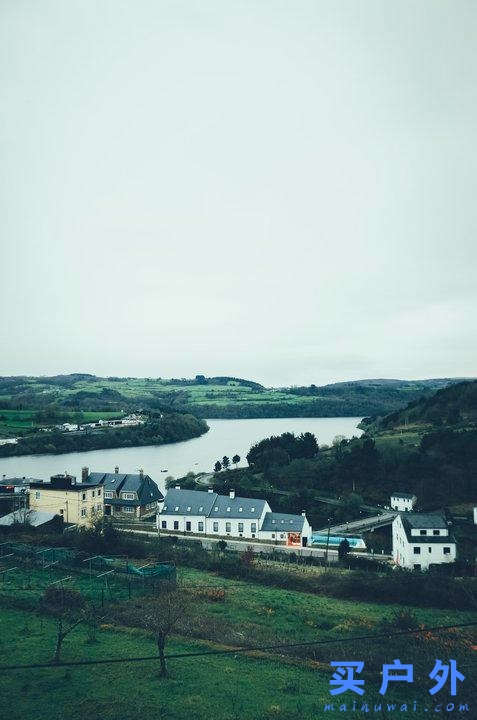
[(225, 437)]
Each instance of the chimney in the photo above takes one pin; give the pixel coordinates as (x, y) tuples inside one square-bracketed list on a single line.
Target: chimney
[(232, 494), (178, 487), (116, 469), (84, 474), (210, 489), (141, 473)]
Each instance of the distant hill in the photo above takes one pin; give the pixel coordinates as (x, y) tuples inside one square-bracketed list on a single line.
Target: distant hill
[(453, 405), (213, 397)]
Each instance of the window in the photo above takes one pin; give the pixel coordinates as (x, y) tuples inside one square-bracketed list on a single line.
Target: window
[(62, 511), (188, 509), (282, 535), (92, 493), (417, 551), (188, 526), (446, 550), (417, 566), (216, 509), (252, 509), (436, 532), (240, 527), (83, 496), (176, 525), (240, 509), (216, 527), (201, 508), (99, 493), (128, 510), (429, 549), (128, 496), (422, 532), (108, 494), (228, 509), (165, 507), (228, 527), (176, 509), (200, 526), (273, 536), (164, 524), (253, 527), (98, 506), (83, 512), (37, 495)]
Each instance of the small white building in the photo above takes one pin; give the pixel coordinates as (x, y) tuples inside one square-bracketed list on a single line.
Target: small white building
[(421, 540), (199, 512), (402, 501)]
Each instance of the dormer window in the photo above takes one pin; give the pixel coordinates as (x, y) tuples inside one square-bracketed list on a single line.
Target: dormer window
[(228, 509), (216, 509), (201, 508), (252, 509), (188, 509), (164, 508), (176, 509), (240, 509)]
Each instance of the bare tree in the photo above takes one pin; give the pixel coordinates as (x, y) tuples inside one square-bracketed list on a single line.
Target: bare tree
[(68, 608), (162, 616)]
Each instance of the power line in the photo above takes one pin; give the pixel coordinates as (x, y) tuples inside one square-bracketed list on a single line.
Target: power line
[(234, 651)]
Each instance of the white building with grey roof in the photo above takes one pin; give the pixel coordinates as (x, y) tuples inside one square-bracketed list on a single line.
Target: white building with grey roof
[(208, 513), (403, 501), (421, 540)]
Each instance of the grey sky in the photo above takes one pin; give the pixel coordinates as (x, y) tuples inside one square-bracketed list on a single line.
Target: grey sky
[(277, 190)]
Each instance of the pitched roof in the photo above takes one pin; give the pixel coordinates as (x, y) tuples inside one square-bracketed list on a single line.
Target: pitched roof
[(403, 495), (422, 521), (282, 522), (426, 521), (145, 487), (237, 507), (188, 502)]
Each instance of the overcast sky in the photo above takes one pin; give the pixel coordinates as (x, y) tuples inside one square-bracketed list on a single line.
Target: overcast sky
[(283, 191)]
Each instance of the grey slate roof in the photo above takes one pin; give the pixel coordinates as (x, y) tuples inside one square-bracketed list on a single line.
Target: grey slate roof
[(237, 507), (426, 521), (403, 495), (422, 521), (213, 505), (282, 522), (144, 486), (188, 502)]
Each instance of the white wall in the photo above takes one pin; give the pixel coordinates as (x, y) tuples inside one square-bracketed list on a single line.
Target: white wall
[(429, 553)]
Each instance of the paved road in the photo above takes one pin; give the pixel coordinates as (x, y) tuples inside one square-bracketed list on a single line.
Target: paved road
[(359, 525), (209, 543)]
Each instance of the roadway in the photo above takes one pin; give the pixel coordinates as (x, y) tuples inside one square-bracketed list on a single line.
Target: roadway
[(357, 526)]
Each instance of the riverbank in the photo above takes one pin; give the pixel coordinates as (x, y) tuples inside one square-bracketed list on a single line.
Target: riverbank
[(171, 428)]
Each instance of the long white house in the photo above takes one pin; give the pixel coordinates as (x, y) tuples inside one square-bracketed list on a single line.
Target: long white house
[(421, 540), (208, 513)]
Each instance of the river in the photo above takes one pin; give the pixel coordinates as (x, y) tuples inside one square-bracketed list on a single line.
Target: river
[(225, 437)]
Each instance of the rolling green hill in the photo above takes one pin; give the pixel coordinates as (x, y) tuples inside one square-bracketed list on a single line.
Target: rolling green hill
[(211, 397)]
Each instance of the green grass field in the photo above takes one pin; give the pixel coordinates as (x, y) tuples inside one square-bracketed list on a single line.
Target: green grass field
[(252, 686)]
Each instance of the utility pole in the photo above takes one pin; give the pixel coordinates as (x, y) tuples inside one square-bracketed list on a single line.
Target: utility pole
[(327, 541)]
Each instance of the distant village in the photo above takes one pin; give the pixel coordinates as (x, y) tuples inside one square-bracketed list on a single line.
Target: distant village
[(419, 539), (131, 420)]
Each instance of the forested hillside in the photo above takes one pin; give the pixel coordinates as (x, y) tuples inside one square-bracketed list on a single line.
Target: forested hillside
[(452, 406)]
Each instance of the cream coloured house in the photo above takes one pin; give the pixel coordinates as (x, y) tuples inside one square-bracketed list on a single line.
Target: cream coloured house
[(79, 503)]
